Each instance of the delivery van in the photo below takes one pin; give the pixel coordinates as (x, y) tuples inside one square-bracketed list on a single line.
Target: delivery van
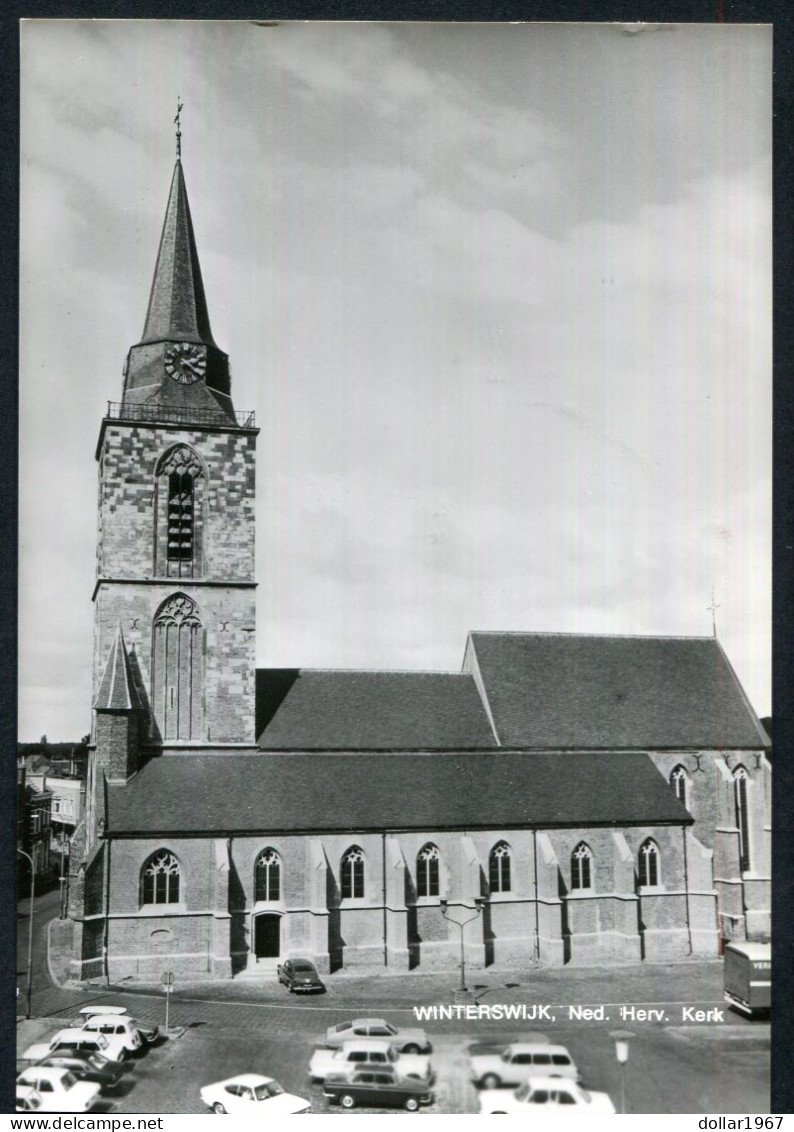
[(748, 977)]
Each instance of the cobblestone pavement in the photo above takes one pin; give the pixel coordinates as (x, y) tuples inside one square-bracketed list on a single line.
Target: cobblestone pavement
[(232, 1027)]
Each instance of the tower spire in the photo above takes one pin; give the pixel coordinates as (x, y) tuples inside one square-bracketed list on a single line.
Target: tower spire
[(178, 121), (176, 364)]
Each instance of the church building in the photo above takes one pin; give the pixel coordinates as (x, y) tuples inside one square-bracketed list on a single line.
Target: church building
[(579, 799)]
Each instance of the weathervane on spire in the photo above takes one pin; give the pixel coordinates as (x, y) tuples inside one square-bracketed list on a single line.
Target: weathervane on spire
[(178, 122), (713, 607)]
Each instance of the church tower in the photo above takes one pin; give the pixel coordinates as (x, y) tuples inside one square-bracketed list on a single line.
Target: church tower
[(175, 592)]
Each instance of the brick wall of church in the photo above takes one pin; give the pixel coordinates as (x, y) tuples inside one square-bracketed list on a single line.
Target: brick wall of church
[(209, 933)]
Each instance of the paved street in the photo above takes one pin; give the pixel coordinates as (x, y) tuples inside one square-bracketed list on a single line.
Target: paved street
[(675, 1065)]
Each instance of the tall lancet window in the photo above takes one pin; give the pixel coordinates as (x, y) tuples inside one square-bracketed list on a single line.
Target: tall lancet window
[(179, 518), (178, 669), (678, 781), (740, 800)]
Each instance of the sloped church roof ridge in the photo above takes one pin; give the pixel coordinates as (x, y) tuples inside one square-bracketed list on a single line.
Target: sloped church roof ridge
[(177, 302), (117, 690)]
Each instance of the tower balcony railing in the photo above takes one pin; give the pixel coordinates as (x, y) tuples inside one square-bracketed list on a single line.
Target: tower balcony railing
[(174, 414)]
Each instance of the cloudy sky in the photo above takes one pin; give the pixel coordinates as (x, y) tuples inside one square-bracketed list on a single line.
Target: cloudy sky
[(499, 295)]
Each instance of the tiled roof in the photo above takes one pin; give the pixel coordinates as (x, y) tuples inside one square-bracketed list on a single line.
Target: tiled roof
[(177, 304), (228, 794), (117, 690), (570, 691), (299, 709)]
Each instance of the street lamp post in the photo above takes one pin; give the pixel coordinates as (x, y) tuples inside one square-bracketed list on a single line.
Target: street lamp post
[(621, 1039), (64, 841), (29, 991), (461, 924)]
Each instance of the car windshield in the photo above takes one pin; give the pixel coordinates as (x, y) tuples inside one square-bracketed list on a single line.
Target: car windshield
[(586, 1097), (522, 1092), (68, 1080), (271, 1089), (507, 1054), (390, 1029), (304, 968), (342, 1026)]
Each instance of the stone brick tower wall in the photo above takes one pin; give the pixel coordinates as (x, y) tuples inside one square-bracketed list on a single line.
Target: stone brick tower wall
[(133, 582)]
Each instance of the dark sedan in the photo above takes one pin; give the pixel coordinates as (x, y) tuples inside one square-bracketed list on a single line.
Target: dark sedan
[(300, 976), (381, 1086), (87, 1067)]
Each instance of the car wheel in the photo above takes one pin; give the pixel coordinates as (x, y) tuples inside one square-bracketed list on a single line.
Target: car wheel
[(411, 1048), (411, 1103), (347, 1101), (490, 1081), (218, 1107)]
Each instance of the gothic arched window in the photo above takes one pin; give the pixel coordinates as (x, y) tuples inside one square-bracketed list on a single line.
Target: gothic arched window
[(499, 868), (178, 669), (581, 866), (427, 870), (353, 873), (267, 875), (740, 777), (160, 879), (679, 780), (649, 864), (178, 511)]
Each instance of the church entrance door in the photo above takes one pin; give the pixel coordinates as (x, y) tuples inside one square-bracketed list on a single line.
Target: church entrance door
[(267, 935)]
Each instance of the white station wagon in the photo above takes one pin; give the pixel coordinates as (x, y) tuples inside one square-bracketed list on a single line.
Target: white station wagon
[(517, 1062)]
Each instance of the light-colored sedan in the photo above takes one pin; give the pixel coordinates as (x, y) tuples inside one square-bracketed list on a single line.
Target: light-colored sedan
[(59, 1089), (404, 1041), (553, 1093), (108, 1045), (253, 1094)]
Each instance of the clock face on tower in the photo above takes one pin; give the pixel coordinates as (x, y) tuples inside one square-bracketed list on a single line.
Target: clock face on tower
[(185, 362)]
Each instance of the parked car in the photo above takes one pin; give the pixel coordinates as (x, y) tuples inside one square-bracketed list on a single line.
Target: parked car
[(365, 1053), (110, 1046), (404, 1041), (149, 1031), (87, 1066), (115, 1025), (551, 1092), (252, 1094), (381, 1086), (300, 976), (60, 1090), (520, 1060)]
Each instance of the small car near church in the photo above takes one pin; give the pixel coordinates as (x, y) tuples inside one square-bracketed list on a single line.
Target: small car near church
[(300, 976), (377, 1086), (550, 1092), (87, 1067), (368, 1053), (149, 1031), (253, 1095), (404, 1041), (119, 1026), (110, 1046), (60, 1090), (516, 1062)]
